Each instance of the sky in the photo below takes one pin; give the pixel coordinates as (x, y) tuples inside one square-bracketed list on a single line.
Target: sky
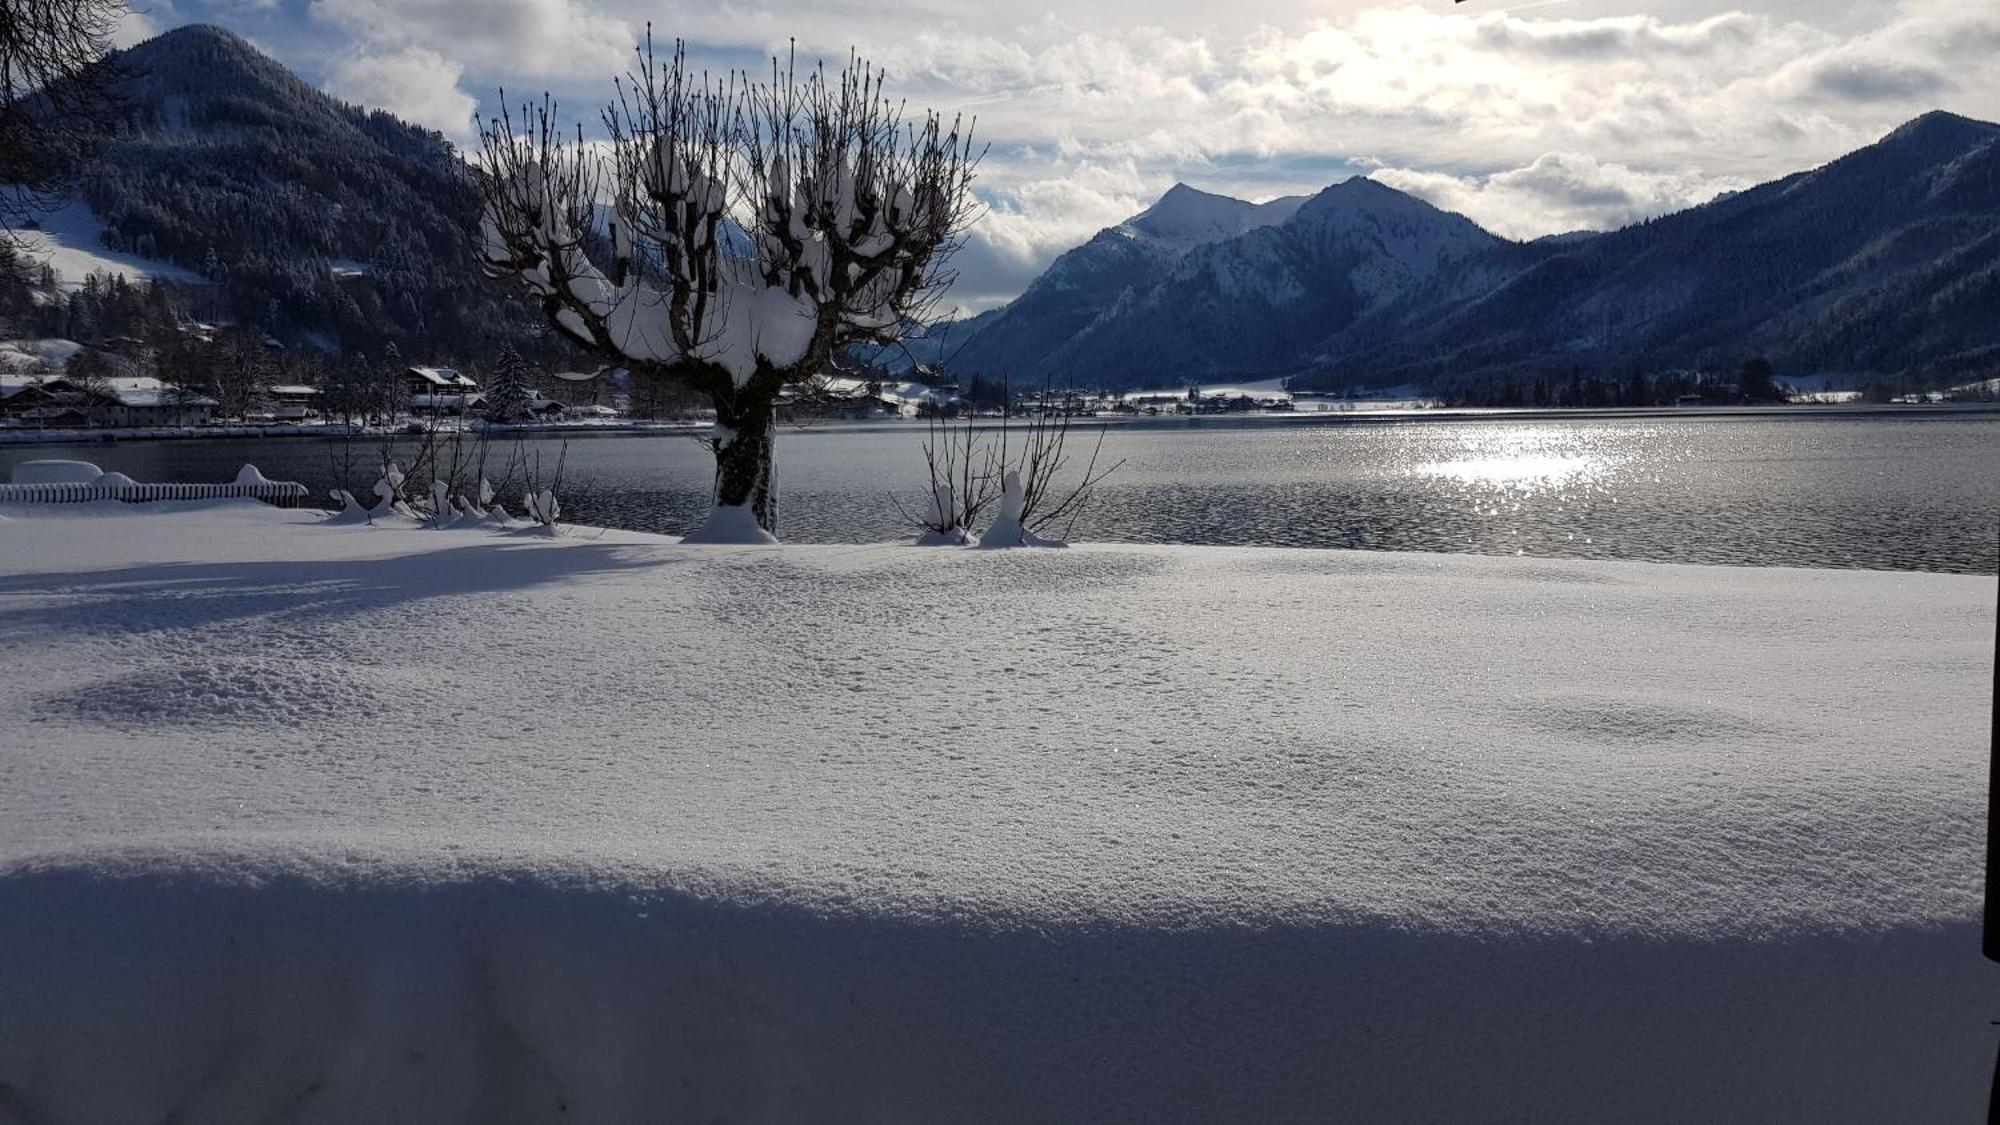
[(1532, 117)]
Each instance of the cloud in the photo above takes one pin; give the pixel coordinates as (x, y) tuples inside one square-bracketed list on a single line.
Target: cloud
[(1530, 125), (133, 27), (532, 38), (1858, 80), (1533, 120), (415, 84), (1559, 192), (1029, 219)]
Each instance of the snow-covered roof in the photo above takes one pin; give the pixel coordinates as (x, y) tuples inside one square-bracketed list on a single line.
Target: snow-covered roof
[(126, 390), (294, 389), (144, 390), (443, 377), (889, 390)]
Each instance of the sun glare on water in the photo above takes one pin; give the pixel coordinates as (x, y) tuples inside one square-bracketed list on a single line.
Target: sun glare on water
[(1530, 469), (1526, 458)]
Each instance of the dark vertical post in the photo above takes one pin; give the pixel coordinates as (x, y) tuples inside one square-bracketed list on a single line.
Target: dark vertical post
[(1991, 929), (1991, 935)]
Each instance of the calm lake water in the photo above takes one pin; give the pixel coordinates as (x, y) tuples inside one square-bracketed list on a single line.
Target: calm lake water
[(1918, 492)]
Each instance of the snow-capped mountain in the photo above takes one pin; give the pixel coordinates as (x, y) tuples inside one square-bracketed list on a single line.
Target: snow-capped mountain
[(1187, 217), (1886, 260), (1253, 304), (1085, 282)]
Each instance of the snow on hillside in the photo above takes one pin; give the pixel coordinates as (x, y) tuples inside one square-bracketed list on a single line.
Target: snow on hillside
[(31, 356), (71, 239), (1185, 217), (345, 823), (1397, 240)]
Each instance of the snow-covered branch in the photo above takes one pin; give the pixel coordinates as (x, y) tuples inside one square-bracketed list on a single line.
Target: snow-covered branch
[(730, 234), (732, 225)]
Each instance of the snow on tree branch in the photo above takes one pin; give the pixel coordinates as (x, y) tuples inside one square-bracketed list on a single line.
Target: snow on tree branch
[(730, 229)]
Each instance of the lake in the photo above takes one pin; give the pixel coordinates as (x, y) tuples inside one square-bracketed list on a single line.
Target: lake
[(1808, 488)]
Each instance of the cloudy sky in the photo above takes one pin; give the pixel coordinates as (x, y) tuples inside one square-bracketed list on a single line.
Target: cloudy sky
[(1532, 117)]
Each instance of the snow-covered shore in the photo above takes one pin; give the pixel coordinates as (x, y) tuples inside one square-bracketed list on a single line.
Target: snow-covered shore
[(344, 823), (327, 431)]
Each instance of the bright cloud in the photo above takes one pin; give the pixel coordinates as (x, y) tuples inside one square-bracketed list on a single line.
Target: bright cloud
[(511, 38), (1559, 192), (420, 86), (1548, 117)]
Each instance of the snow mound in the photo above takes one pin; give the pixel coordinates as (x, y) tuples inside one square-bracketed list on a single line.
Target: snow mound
[(337, 823), (731, 526), (271, 692), (55, 472)]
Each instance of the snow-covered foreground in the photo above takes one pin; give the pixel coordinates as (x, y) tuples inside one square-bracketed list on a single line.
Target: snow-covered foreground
[(346, 823)]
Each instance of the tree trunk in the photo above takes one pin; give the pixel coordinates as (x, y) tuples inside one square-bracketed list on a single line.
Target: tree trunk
[(744, 453)]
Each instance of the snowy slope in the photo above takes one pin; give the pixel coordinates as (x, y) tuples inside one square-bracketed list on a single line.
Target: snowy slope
[(1186, 217), (1263, 302), (1019, 341), (71, 239), (340, 823)]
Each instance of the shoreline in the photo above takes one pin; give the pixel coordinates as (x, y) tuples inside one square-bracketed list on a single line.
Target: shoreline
[(1388, 416)]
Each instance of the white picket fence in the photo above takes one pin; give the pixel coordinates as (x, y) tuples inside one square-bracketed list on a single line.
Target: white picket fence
[(282, 494)]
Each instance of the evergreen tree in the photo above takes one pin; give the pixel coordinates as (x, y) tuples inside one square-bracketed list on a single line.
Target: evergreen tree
[(508, 398)]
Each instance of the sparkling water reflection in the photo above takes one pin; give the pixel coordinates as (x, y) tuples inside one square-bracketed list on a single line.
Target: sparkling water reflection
[(1896, 493)]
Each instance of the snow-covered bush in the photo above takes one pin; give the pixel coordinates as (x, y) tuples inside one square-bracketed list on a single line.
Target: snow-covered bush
[(964, 475), (543, 507), (1048, 495)]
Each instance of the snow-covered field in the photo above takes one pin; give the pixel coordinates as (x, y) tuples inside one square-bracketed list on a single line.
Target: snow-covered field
[(318, 823), (71, 239)]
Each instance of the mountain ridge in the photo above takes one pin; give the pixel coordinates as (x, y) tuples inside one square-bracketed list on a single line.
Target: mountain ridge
[(1364, 285)]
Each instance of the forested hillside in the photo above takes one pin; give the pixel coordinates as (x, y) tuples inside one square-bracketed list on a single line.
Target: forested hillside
[(323, 224)]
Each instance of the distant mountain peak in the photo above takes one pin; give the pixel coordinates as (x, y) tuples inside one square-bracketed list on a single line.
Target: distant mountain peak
[(1362, 193), (194, 32), (1360, 201), (1940, 127), (203, 59), (203, 42), (1189, 215)]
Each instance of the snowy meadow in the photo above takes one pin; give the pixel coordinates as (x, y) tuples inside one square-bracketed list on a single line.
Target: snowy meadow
[(331, 821), (742, 608)]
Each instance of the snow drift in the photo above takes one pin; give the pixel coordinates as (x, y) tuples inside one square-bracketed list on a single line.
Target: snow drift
[(352, 823)]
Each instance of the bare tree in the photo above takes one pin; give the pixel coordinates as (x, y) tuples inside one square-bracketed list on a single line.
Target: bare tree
[(1036, 490), (51, 89), (964, 470), (732, 236)]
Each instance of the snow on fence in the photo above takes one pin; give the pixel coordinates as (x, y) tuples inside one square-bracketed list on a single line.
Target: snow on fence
[(77, 482), (283, 494)]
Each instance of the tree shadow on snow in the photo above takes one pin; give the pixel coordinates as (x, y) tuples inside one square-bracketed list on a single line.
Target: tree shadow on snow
[(181, 596)]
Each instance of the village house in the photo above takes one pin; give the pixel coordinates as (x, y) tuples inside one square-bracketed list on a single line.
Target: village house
[(439, 390), (291, 402), (126, 400)]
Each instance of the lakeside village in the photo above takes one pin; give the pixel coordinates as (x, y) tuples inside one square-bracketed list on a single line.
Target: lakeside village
[(50, 388), (57, 385)]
